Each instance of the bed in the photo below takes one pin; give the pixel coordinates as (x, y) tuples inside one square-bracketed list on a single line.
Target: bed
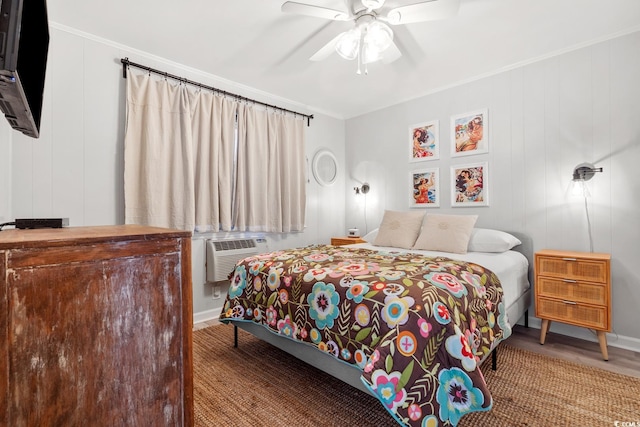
[(409, 326)]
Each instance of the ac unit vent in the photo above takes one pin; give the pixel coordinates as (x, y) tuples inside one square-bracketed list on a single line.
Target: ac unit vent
[(222, 255), (227, 245)]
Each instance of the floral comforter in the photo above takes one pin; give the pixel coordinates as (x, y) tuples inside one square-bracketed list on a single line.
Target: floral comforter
[(416, 326)]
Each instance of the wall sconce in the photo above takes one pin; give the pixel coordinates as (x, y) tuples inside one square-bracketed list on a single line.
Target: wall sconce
[(582, 173), (364, 189)]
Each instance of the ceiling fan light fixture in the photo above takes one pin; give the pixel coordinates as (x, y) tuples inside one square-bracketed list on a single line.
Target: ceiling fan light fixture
[(371, 40), (348, 44), (373, 4), (378, 36), (370, 54)]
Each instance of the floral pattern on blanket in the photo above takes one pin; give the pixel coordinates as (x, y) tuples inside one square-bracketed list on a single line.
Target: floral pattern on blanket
[(416, 326)]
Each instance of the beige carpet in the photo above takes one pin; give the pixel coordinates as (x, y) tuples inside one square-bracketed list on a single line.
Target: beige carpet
[(259, 385)]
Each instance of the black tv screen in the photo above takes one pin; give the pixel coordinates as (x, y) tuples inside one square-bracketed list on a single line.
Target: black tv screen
[(24, 44)]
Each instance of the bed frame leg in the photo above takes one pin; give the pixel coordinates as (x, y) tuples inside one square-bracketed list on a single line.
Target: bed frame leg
[(526, 319), (494, 359), (235, 336)]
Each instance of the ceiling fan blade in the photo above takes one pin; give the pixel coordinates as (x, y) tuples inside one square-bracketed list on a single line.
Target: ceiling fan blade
[(326, 50), (391, 54), (315, 11), (348, 4), (372, 4), (421, 12)]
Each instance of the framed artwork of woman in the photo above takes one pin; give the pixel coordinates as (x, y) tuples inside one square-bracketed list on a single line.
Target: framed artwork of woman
[(425, 141), (470, 133), (425, 188), (470, 185)]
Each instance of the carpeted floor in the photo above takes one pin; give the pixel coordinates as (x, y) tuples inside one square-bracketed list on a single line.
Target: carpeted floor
[(257, 384)]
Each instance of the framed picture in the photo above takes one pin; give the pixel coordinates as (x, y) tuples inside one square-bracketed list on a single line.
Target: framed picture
[(425, 188), (425, 141), (470, 133), (470, 185)]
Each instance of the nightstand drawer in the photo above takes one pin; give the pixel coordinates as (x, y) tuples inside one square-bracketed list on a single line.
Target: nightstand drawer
[(574, 291), (573, 268), (577, 314)]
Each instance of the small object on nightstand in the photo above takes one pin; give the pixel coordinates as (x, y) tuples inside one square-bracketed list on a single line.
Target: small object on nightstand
[(347, 240), (574, 288)]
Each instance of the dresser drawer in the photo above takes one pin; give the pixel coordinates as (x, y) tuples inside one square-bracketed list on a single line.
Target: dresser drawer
[(573, 268), (577, 314), (573, 291)]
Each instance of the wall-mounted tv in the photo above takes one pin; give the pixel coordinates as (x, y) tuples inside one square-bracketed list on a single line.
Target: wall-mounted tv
[(24, 44)]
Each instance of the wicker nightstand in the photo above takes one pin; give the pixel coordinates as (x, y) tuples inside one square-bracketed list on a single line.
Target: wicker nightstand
[(574, 288), (341, 241)]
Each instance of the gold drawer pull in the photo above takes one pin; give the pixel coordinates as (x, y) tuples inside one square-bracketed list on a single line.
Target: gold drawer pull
[(569, 259), (570, 302), (569, 281)]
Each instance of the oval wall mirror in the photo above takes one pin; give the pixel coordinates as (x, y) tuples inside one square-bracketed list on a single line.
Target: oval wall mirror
[(325, 167)]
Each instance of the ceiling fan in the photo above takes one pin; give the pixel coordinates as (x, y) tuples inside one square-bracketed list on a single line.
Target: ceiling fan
[(371, 39)]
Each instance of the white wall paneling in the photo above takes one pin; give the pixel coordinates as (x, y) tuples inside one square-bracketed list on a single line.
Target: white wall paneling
[(622, 194), (6, 134), (66, 68), (103, 151), (544, 119), (75, 169)]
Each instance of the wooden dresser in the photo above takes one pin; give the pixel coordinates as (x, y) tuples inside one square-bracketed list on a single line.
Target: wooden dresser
[(95, 327), (574, 288)]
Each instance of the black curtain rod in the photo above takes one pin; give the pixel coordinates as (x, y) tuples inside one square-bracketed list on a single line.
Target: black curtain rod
[(126, 62)]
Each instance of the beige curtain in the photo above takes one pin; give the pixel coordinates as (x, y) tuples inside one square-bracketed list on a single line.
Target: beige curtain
[(214, 142), (158, 168), (270, 187), (180, 148)]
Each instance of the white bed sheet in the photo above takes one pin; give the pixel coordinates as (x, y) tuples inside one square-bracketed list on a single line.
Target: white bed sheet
[(511, 267)]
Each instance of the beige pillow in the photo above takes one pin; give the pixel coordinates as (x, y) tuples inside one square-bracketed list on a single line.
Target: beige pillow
[(399, 229), (446, 233)]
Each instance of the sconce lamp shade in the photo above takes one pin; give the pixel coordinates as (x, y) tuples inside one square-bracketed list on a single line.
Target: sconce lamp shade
[(364, 189), (582, 173), (585, 171)]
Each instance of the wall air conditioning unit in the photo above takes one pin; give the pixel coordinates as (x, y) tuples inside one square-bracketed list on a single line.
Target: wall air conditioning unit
[(222, 255)]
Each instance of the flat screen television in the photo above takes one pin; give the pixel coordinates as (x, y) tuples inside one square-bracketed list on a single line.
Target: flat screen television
[(24, 45)]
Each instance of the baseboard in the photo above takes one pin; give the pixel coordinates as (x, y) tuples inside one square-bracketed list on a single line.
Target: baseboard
[(613, 339), (205, 316)]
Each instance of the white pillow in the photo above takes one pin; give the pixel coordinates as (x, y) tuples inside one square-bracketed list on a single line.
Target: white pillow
[(370, 236), (399, 229), (487, 240), (446, 233)]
